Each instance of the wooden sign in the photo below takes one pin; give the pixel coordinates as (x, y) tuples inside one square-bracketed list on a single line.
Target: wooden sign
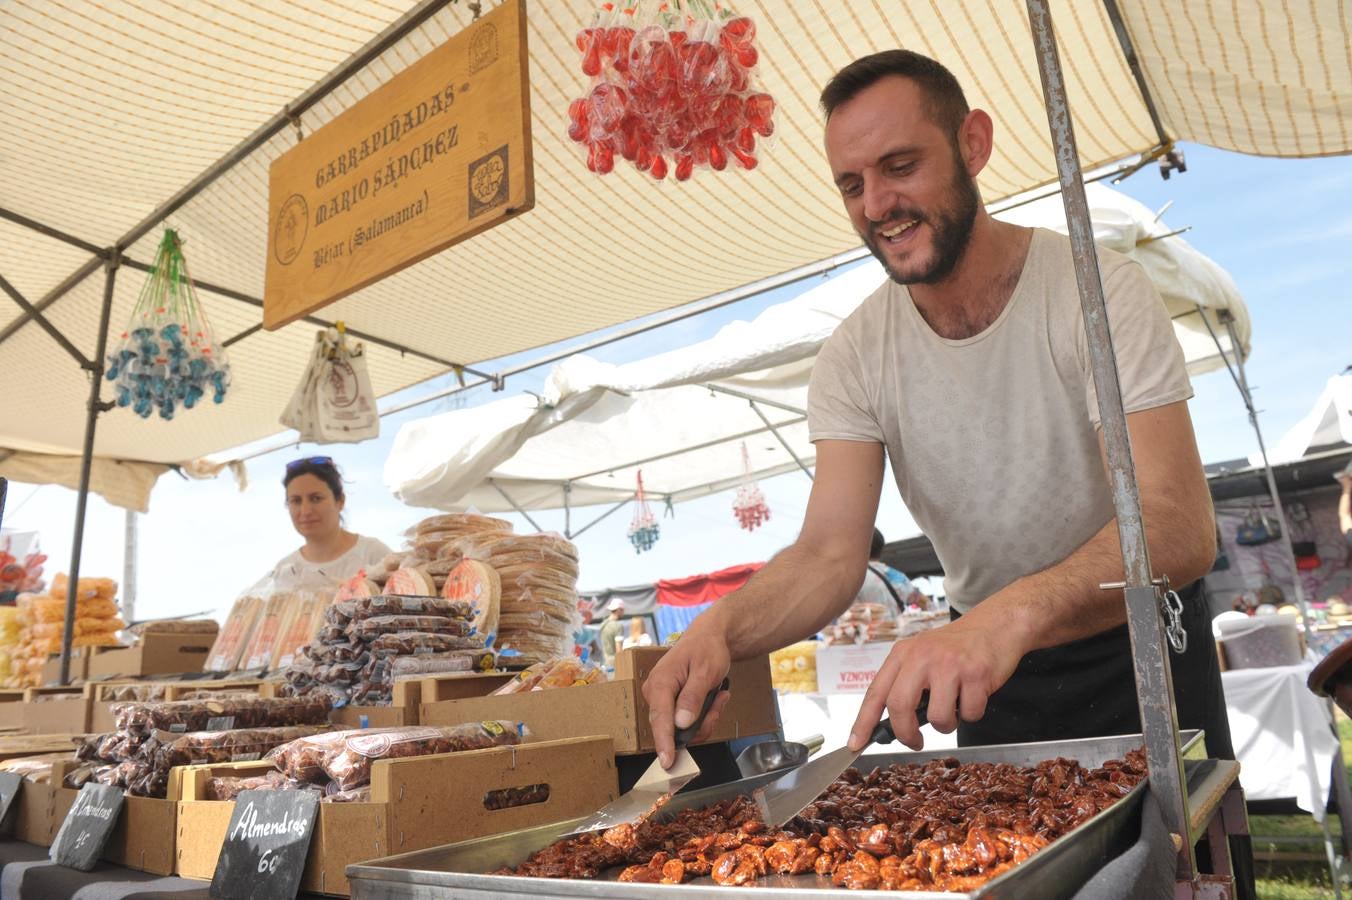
[(265, 846), (10, 785), (436, 155), (91, 819)]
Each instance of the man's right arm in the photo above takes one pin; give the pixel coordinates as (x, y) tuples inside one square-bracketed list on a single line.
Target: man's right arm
[(797, 593)]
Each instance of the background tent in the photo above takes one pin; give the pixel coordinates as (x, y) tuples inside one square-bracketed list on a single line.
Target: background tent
[(1327, 425), (682, 416)]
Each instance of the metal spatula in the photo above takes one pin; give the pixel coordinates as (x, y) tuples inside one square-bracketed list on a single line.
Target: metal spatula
[(785, 797), (655, 786)]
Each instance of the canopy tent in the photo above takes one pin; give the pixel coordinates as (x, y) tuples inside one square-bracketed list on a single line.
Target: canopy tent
[(1326, 426), (110, 148), (682, 416)]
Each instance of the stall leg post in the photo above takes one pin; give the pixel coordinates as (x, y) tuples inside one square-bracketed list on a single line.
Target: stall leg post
[(1159, 720), (110, 267)]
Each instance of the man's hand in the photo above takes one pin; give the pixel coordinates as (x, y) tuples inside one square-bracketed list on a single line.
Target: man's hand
[(678, 685), (961, 664)]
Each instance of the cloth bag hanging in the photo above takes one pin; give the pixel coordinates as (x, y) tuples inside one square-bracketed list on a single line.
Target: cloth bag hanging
[(334, 402), (1258, 528)]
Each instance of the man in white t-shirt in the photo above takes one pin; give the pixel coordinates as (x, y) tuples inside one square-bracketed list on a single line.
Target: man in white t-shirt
[(969, 371)]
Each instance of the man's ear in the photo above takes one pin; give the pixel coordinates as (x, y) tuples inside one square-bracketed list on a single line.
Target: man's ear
[(975, 141)]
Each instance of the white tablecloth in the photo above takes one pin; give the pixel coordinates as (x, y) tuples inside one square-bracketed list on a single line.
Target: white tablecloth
[(1281, 735)]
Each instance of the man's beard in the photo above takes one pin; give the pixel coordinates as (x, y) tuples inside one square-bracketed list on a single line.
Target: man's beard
[(952, 227)]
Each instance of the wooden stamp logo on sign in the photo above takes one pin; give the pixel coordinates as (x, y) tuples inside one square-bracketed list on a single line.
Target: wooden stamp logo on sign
[(436, 155)]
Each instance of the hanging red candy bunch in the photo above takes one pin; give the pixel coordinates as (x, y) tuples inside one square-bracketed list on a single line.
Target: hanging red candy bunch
[(749, 505), (673, 88)]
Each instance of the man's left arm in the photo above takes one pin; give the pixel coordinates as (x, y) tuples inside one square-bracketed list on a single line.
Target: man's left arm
[(966, 661)]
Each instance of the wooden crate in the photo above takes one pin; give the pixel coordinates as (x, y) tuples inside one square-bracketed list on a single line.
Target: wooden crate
[(144, 836), (417, 802), (615, 707), (155, 654), (63, 710)]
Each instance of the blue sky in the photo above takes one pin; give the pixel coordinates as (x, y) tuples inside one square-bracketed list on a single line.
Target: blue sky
[(1282, 228)]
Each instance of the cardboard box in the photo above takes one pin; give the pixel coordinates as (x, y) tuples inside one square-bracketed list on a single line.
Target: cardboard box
[(36, 819), (11, 709), (59, 711), (157, 654), (79, 668), (101, 707), (146, 830), (616, 708), (417, 802)]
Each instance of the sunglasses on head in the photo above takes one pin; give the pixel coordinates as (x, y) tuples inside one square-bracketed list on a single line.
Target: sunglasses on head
[(309, 461)]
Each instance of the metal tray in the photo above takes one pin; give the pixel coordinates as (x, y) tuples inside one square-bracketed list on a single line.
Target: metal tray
[(1056, 871)]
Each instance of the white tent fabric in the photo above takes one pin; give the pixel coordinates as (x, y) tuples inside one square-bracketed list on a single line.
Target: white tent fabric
[(1328, 423), (682, 416), (112, 107), (120, 482)]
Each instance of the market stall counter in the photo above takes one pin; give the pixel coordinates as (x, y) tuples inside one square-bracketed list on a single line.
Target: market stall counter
[(494, 866)]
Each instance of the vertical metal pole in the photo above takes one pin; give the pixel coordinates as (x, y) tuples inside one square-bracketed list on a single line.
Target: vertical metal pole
[(1154, 688), (1279, 510), (87, 459), (567, 511), (129, 550)]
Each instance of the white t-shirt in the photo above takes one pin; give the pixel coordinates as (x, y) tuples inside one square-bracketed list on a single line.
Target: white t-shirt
[(295, 573), (993, 439)]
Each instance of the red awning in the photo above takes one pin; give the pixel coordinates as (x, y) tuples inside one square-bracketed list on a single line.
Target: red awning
[(696, 589)]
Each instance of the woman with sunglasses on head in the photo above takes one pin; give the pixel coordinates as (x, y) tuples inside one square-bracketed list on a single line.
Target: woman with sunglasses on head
[(331, 554)]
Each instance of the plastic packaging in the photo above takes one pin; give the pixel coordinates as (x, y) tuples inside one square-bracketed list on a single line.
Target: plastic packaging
[(204, 747), (405, 643), (461, 522), (367, 629), (412, 582), (671, 79), (350, 765), (388, 605), (193, 715), (450, 661)]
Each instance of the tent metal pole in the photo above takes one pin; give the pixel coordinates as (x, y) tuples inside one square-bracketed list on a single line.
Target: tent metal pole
[(129, 560), (1159, 720), (706, 445), (373, 48), (508, 497), (1236, 371), (567, 511), (46, 325), (1229, 321), (242, 297), (1133, 63), (616, 508), (87, 460), (49, 231), (779, 437), (719, 389)]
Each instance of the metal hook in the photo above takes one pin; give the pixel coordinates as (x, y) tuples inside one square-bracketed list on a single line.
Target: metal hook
[(294, 119)]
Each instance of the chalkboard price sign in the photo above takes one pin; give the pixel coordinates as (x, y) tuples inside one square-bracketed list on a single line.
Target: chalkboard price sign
[(90, 821), (10, 785), (263, 856)]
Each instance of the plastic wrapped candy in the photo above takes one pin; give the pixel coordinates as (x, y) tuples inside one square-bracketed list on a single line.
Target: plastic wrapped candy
[(168, 357), (673, 88)]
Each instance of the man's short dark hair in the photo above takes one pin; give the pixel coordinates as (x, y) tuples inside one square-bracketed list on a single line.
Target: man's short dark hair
[(875, 549), (945, 103)]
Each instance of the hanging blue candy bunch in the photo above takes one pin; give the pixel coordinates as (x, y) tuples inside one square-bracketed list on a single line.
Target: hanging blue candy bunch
[(643, 529), (167, 358)]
